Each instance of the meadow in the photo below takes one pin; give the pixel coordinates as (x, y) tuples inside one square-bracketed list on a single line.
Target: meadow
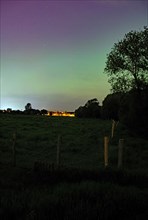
[(81, 188)]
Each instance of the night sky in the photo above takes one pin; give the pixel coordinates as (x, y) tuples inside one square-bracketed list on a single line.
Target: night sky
[(53, 53)]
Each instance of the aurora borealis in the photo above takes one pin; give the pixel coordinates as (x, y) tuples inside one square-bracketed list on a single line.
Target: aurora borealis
[(53, 53)]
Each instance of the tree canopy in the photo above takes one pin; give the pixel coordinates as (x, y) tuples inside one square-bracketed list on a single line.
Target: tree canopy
[(28, 106), (127, 63), (111, 106), (90, 110)]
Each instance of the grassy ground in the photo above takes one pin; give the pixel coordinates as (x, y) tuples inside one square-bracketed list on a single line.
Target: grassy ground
[(81, 188)]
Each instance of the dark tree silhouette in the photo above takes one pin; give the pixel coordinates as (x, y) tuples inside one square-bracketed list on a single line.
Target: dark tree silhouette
[(44, 112), (90, 110), (111, 106), (127, 63), (133, 111), (28, 106)]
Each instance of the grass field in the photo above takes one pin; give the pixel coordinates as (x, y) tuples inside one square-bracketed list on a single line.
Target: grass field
[(81, 188)]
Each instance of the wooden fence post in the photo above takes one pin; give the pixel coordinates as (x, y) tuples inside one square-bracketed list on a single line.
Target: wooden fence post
[(58, 150), (14, 149), (120, 152), (113, 128), (106, 141)]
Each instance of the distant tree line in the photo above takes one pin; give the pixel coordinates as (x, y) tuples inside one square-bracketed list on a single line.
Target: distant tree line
[(28, 111), (91, 109), (109, 110), (127, 108)]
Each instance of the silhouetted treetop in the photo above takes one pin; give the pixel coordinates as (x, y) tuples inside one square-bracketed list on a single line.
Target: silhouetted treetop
[(90, 110), (28, 106), (127, 63)]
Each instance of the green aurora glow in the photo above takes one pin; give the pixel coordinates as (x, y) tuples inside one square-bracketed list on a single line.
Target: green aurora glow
[(63, 68)]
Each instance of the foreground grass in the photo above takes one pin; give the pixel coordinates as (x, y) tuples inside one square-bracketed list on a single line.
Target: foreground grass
[(82, 188), (73, 194)]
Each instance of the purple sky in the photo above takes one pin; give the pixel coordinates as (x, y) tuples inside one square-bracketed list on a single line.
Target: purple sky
[(53, 53)]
